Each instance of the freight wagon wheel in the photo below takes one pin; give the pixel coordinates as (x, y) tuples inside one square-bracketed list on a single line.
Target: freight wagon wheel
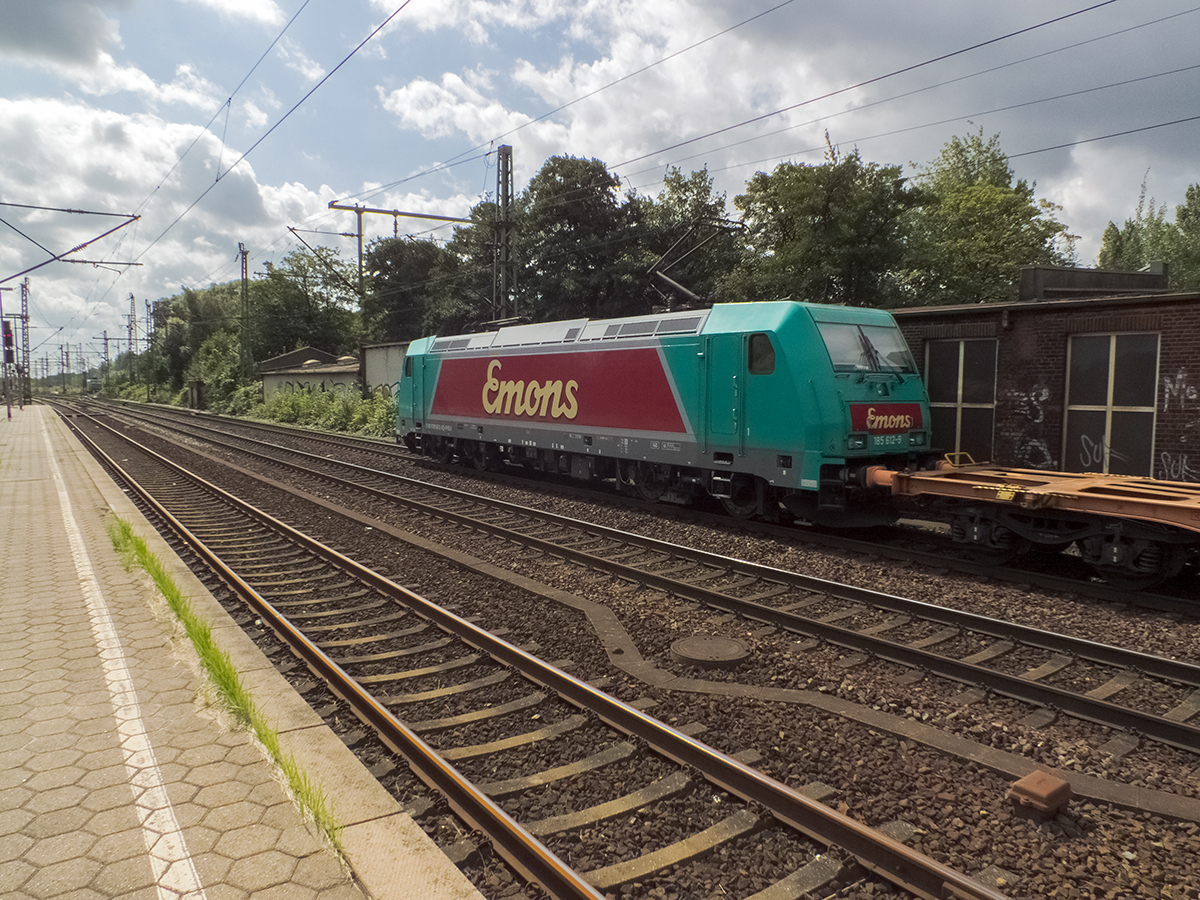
[(986, 541), (650, 481), (1148, 564), (742, 502)]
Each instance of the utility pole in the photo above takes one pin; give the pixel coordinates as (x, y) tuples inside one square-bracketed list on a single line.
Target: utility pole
[(64, 367), (245, 333), (104, 371), (132, 338), (5, 352), (27, 378), (504, 276), (149, 371), (395, 213)]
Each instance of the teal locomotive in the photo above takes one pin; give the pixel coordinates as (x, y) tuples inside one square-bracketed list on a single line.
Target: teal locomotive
[(775, 409)]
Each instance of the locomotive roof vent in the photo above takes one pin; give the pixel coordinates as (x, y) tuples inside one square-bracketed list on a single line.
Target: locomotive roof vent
[(686, 325), (643, 326)]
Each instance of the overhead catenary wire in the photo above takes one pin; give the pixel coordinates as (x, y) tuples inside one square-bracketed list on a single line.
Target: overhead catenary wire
[(869, 81), (906, 94), (277, 123), (862, 139)]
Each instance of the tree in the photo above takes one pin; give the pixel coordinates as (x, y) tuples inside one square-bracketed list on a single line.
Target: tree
[(829, 233), (308, 299), (573, 244), (1148, 237), (407, 277), (976, 227), (685, 235)]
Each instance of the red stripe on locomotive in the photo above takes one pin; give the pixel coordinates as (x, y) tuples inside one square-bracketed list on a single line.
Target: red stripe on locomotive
[(885, 418), (625, 389)]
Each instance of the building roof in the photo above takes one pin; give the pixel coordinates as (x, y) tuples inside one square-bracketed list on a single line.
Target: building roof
[(296, 358)]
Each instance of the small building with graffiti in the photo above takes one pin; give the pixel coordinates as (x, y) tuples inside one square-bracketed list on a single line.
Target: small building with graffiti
[(311, 370), (382, 366), (1089, 371)]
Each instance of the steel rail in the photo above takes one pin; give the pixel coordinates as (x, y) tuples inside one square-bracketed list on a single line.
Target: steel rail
[(1102, 712), (1046, 581), (890, 859), (524, 852)]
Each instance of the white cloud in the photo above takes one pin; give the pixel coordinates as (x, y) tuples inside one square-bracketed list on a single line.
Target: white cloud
[(264, 11), (296, 60), (105, 77), (107, 161), (472, 19), (436, 110)]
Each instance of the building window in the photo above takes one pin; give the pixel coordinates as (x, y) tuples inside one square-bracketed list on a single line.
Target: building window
[(961, 378), (1112, 383)]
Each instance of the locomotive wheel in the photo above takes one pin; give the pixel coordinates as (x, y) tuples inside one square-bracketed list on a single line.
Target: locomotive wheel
[(650, 481), (742, 502), (443, 451), (481, 456)]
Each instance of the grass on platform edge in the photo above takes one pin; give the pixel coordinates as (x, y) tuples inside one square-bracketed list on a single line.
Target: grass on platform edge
[(225, 680)]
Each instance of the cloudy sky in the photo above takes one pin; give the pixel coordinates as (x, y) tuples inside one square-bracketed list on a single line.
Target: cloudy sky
[(227, 121)]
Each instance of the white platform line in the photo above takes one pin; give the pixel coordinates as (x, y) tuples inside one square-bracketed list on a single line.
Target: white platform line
[(174, 871)]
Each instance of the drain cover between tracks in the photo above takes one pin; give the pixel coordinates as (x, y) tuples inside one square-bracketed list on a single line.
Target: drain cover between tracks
[(709, 651)]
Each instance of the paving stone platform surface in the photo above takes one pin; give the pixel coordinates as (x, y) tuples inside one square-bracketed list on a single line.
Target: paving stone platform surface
[(114, 780)]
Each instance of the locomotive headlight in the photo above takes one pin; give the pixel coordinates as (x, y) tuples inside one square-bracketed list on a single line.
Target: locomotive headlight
[(857, 442), (917, 439)]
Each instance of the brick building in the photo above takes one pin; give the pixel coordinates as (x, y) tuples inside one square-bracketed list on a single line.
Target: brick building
[(1098, 384)]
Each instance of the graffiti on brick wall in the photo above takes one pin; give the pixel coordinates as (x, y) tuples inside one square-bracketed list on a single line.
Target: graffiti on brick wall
[(1030, 445), (1181, 395), (1177, 467), (1179, 392), (1093, 449)]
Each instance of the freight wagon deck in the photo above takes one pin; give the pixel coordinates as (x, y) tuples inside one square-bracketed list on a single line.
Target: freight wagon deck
[(1128, 527)]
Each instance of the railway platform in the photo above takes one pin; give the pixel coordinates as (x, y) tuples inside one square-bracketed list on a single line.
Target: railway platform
[(115, 779)]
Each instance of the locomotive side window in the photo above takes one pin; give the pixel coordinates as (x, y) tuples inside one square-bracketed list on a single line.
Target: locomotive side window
[(866, 348), (408, 366), (762, 355)]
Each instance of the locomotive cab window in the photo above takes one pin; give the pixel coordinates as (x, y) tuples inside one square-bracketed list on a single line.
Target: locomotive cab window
[(866, 348), (762, 355), (408, 366)]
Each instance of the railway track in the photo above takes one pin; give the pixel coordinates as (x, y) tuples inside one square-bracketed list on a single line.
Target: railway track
[(474, 697), (1058, 572), (1134, 694)]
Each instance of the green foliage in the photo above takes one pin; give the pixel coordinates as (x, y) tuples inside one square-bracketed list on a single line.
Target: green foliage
[(1149, 237), (346, 412), (975, 227), (225, 681), (412, 286), (217, 364), (573, 241), (685, 235), (307, 300), (829, 233)]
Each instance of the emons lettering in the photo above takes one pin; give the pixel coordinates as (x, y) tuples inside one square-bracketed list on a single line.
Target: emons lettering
[(887, 423), (552, 398)]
